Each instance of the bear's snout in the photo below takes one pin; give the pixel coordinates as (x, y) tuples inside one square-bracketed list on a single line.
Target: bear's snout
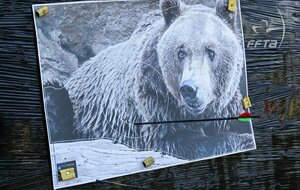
[(188, 90), (189, 93)]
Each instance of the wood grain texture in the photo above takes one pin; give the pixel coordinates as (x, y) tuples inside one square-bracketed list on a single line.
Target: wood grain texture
[(274, 84), (98, 158)]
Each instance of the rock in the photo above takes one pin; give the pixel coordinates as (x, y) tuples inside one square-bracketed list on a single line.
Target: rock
[(57, 64), (70, 34)]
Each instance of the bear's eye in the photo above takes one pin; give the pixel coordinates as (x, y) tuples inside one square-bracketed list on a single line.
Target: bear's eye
[(211, 54), (181, 55)]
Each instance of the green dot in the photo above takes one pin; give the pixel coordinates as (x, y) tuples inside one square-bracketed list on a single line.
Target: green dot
[(245, 119)]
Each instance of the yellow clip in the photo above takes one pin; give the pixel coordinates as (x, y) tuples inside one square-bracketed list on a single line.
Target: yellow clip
[(67, 174), (42, 11), (232, 5), (148, 162), (247, 102)]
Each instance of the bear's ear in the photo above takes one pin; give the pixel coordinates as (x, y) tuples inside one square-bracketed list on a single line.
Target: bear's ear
[(228, 16), (171, 9)]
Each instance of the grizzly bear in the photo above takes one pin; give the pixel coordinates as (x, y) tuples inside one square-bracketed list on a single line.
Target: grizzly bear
[(183, 63)]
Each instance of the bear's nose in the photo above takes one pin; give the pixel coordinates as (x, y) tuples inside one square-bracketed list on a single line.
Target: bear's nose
[(188, 89)]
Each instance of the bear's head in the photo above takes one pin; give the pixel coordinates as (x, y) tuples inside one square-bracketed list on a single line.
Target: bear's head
[(200, 55)]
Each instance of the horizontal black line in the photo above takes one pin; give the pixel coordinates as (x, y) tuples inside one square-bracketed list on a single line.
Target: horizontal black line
[(191, 121)]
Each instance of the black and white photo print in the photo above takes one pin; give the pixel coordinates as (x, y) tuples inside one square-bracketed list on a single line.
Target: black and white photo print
[(124, 80)]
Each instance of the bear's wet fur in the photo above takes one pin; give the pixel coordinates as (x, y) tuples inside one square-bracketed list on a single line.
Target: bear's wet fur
[(138, 81)]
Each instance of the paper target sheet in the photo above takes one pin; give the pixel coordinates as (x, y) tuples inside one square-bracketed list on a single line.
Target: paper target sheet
[(123, 82)]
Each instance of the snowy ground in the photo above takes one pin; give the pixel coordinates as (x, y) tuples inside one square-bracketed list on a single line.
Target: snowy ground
[(101, 159)]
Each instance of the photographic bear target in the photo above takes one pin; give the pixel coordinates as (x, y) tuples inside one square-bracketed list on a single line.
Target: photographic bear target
[(131, 62)]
